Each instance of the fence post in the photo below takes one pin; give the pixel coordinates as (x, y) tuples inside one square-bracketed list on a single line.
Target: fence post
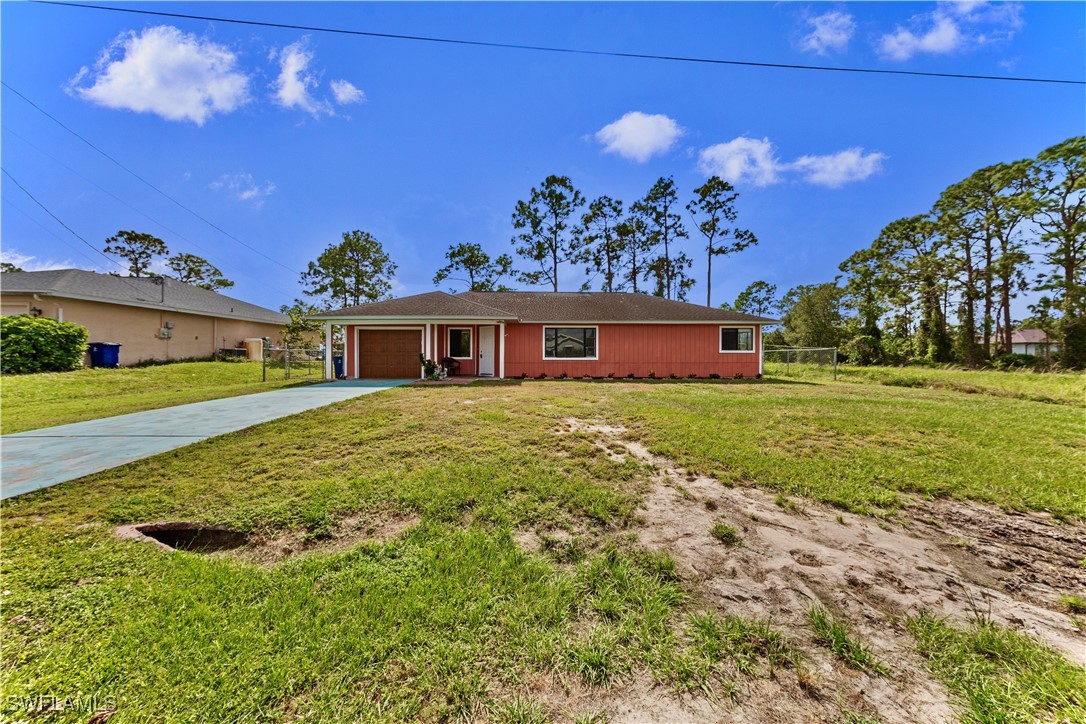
[(263, 360), (834, 364), (286, 364)]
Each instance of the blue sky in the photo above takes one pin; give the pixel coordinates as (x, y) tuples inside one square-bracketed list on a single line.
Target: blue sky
[(286, 139)]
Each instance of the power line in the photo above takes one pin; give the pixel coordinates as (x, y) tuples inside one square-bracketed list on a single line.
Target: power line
[(119, 199), (222, 231), (70, 229), (48, 231), (558, 49)]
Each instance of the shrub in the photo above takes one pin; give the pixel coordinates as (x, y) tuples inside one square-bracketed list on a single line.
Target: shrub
[(1011, 361), (863, 350), (38, 344)]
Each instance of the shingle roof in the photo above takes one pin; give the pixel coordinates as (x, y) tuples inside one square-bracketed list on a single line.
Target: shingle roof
[(545, 307), (1021, 336), (1028, 336), (430, 304), (604, 307), (142, 292)]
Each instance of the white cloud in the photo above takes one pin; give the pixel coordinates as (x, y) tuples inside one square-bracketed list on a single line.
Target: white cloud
[(164, 71), (27, 262), (243, 187), (639, 136), (345, 92), (942, 37), (292, 87), (838, 169), (741, 160), (951, 27), (829, 31), (754, 161)]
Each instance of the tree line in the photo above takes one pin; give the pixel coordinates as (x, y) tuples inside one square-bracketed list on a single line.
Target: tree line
[(142, 250), (939, 286)]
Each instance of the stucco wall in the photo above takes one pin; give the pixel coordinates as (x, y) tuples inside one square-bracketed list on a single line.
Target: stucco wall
[(137, 328)]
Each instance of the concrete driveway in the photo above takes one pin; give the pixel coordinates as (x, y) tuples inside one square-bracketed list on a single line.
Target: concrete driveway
[(41, 458)]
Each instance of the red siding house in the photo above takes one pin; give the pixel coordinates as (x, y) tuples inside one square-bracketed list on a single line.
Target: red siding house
[(532, 334)]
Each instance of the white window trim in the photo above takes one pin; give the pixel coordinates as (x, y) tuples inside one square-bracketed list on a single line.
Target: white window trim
[(753, 339), (570, 359), (471, 339)]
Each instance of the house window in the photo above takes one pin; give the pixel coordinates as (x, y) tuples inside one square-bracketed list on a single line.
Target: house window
[(569, 343), (737, 339), (460, 343)]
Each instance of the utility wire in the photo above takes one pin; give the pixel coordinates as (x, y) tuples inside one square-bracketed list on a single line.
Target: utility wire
[(222, 231), (118, 198), (49, 231), (558, 49), (70, 229)]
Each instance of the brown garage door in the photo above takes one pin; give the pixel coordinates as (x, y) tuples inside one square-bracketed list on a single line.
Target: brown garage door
[(389, 353)]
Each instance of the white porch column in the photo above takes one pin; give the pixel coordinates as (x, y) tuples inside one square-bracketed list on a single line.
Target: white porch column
[(761, 349), (328, 374), (426, 351), (501, 351)]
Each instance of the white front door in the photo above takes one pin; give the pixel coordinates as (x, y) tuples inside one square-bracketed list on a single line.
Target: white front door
[(486, 351)]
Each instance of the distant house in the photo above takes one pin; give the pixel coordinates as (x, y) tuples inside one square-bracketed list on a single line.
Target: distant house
[(1029, 341), (1034, 342), (152, 318), (532, 334)]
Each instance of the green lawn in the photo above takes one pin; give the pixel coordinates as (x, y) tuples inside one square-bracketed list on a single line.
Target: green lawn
[(1061, 387), (28, 402), (452, 619)]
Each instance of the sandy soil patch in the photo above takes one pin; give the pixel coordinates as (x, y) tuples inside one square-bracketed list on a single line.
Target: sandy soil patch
[(955, 559)]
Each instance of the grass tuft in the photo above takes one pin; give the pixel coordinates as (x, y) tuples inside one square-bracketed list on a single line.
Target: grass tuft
[(998, 674), (836, 635), (1074, 604), (726, 534)]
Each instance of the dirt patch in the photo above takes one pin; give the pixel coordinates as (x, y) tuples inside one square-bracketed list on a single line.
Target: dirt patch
[(951, 558), (372, 527), (185, 536), (269, 549)]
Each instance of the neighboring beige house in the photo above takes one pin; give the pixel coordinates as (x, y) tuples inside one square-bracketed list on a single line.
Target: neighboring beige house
[(1029, 341), (153, 318)]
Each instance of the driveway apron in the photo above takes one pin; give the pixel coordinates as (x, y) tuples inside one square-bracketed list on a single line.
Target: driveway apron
[(41, 458)]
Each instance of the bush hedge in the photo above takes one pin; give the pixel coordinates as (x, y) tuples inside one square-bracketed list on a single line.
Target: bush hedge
[(38, 344)]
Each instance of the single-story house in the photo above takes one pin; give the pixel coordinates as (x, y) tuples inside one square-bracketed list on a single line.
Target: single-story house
[(153, 318), (531, 334), (1029, 341)]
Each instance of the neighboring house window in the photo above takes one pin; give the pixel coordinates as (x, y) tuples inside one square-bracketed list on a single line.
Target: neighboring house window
[(737, 339), (569, 343), (460, 343)]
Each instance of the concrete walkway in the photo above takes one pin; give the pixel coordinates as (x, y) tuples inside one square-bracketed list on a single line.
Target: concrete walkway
[(41, 458)]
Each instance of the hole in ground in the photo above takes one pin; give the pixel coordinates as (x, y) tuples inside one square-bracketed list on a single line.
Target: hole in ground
[(185, 536)]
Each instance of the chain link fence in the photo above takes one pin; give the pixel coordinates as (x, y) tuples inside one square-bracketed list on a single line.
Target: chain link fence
[(290, 362), (800, 362)]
